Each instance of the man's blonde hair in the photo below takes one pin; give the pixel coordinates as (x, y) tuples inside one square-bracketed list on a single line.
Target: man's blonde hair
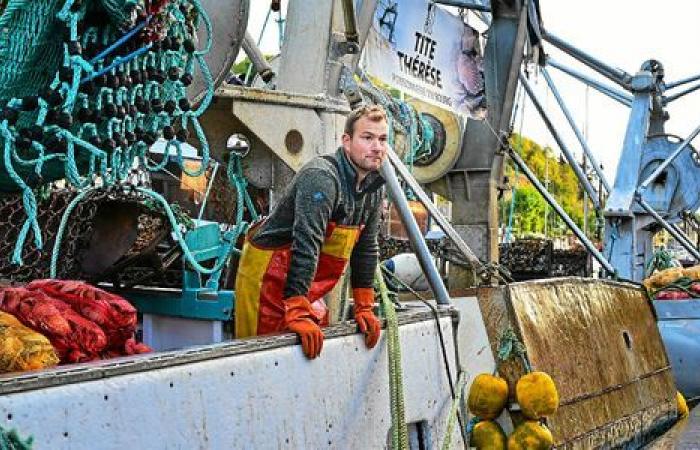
[(375, 113)]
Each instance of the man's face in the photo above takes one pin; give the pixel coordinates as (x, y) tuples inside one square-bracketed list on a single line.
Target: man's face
[(367, 146)]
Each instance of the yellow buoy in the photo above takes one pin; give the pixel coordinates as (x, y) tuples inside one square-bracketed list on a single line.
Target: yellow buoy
[(488, 435), (537, 395), (530, 435), (487, 396), (681, 405)]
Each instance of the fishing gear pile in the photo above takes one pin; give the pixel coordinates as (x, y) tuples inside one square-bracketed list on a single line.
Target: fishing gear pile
[(87, 87)]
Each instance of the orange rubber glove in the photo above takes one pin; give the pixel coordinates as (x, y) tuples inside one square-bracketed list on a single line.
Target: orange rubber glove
[(364, 316), (299, 319)]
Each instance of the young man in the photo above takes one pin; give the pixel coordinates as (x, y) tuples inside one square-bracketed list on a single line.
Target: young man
[(328, 216)]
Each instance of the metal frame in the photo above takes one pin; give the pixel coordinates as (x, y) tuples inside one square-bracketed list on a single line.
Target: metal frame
[(679, 236), (474, 181), (560, 211), (682, 146), (474, 5), (583, 180), (682, 81), (614, 74), (617, 95), (693, 88), (414, 234), (646, 117), (435, 213), (581, 139)]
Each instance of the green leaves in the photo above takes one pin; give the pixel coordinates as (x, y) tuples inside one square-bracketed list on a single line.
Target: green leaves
[(557, 175)]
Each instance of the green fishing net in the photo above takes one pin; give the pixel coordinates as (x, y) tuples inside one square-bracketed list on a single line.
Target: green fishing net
[(86, 87)]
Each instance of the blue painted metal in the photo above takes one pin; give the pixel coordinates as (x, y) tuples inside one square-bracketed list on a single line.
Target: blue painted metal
[(682, 82), (192, 304), (667, 161), (467, 4), (628, 236), (582, 178), (672, 231), (584, 145), (673, 97), (617, 95), (679, 325), (195, 300), (615, 74), (670, 175), (628, 240), (622, 196), (678, 189)]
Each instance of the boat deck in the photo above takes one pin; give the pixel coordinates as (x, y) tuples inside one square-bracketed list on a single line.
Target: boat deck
[(685, 435)]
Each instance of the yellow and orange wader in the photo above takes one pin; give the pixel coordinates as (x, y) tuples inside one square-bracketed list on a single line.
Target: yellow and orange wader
[(262, 274)]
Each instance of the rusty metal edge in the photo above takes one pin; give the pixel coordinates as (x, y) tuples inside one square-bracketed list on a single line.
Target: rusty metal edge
[(578, 279), (97, 370), (638, 439), (615, 387)]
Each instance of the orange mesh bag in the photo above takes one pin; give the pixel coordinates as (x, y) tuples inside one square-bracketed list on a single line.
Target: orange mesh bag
[(75, 338), (21, 348)]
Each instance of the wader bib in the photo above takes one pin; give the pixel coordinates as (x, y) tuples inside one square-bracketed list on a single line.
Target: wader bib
[(262, 273)]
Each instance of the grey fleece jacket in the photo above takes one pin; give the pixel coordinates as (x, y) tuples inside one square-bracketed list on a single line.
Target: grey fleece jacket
[(324, 191)]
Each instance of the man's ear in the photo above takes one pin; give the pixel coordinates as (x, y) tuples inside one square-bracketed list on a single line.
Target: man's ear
[(345, 139)]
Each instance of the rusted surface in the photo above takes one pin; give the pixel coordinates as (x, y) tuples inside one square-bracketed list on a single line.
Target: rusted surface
[(599, 342), (498, 317), (685, 434)]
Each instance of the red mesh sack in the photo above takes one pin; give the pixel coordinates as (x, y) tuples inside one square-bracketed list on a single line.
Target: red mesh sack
[(75, 338), (115, 315), (131, 347)]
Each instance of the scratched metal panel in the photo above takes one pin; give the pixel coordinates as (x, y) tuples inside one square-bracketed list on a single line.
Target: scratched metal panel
[(272, 398), (599, 342)]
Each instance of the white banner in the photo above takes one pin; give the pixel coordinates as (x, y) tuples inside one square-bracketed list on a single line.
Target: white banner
[(428, 53)]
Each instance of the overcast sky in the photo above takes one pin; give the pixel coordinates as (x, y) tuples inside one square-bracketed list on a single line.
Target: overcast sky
[(622, 33)]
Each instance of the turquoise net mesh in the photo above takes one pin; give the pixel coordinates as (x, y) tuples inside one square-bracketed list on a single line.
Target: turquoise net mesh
[(86, 87)]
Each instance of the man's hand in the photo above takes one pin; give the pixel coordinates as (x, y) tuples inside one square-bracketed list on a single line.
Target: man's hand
[(364, 316), (298, 318)]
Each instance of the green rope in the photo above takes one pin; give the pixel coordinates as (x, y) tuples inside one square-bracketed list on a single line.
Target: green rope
[(62, 228), (682, 284), (241, 227), (399, 430), (452, 417), (234, 171), (30, 63), (10, 440), (174, 214), (509, 346), (660, 260)]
